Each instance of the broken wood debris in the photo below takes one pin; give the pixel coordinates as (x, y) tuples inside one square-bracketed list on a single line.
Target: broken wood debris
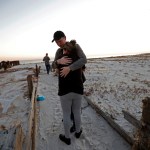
[(110, 121), (142, 138)]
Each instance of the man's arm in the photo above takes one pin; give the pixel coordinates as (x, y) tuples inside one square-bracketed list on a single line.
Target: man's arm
[(75, 65), (81, 61)]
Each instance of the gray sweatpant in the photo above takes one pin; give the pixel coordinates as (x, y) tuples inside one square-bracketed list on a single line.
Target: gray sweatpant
[(67, 101)]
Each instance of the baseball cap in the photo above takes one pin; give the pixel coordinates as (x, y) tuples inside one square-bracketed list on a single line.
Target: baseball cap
[(58, 35)]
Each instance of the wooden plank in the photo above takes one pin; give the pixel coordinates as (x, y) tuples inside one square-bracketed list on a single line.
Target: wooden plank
[(31, 119), (36, 72), (19, 138), (132, 119), (30, 85), (137, 123), (31, 136), (35, 122), (113, 124)]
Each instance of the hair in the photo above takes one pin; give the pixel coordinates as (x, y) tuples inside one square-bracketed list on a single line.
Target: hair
[(73, 42), (70, 45)]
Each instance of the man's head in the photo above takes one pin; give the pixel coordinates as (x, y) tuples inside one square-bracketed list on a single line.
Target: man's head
[(60, 38)]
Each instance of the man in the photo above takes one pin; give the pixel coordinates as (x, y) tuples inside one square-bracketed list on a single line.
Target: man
[(46, 59), (70, 85)]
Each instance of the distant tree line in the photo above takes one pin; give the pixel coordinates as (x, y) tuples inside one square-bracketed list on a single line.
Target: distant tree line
[(8, 64)]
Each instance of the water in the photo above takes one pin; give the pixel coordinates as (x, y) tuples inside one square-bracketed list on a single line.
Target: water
[(22, 62), (91, 56)]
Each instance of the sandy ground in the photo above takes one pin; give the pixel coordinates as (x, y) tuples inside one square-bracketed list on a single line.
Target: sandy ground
[(115, 84), (97, 134), (119, 84)]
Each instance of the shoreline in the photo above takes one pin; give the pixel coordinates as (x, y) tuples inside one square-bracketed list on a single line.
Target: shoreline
[(39, 60)]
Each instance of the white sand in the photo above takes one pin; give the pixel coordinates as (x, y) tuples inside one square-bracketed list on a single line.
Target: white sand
[(115, 84)]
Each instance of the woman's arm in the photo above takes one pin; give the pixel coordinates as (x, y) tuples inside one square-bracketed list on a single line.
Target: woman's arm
[(61, 60)]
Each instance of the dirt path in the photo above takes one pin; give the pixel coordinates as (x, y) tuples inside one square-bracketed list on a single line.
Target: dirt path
[(97, 134)]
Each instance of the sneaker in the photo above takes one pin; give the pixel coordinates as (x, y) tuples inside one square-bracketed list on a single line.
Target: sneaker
[(72, 129), (77, 135), (64, 139)]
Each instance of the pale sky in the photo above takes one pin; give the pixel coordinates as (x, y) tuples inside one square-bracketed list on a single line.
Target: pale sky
[(100, 27)]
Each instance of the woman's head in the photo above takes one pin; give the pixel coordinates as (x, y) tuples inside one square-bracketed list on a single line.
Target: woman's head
[(69, 46)]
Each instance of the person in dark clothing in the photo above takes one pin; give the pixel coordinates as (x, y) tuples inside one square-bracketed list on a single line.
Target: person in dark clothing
[(46, 59), (70, 82)]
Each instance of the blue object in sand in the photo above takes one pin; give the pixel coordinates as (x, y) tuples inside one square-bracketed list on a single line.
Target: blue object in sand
[(41, 98)]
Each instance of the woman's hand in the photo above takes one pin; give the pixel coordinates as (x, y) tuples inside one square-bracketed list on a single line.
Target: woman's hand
[(64, 60), (64, 71)]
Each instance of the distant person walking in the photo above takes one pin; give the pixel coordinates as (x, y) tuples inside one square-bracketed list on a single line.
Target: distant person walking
[(46, 59)]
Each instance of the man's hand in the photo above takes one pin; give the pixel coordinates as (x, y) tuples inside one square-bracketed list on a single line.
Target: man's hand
[(64, 71), (64, 60)]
